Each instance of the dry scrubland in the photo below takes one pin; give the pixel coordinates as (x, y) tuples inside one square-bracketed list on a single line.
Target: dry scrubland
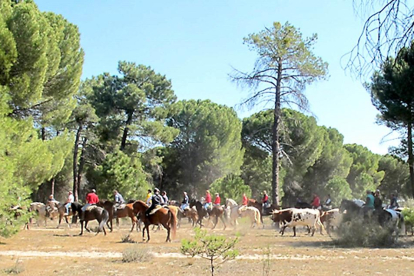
[(49, 251)]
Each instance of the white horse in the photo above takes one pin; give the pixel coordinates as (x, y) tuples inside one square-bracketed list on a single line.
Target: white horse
[(252, 212), (42, 213), (232, 211)]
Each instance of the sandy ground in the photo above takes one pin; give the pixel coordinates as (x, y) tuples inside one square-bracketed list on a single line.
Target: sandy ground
[(50, 251)]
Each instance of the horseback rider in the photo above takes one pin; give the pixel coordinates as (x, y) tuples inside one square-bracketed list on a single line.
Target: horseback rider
[(393, 203), (369, 203), (328, 202), (69, 202), (185, 202), (316, 202), (148, 199), (164, 197), (119, 200), (52, 205), (217, 200), (265, 202), (244, 200), (208, 205), (377, 200), (156, 200), (91, 199)]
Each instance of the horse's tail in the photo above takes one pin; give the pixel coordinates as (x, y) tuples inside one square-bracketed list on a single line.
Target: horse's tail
[(105, 218), (173, 220)]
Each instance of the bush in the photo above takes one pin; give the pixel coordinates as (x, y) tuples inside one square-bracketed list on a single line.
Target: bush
[(127, 239), (361, 233), (210, 247), (135, 254)]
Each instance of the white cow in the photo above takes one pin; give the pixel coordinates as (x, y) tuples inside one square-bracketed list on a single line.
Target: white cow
[(293, 217)]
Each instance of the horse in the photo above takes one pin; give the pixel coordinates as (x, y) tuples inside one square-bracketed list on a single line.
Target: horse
[(96, 212), (125, 210), (384, 217), (163, 216), (252, 212), (62, 211), (232, 211), (40, 209), (201, 212), (190, 213), (267, 211), (216, 212)]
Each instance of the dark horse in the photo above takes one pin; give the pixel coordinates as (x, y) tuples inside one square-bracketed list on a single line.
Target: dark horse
[(98, 213), (267, 211), (163, 216), (382, 216), (217, 212)]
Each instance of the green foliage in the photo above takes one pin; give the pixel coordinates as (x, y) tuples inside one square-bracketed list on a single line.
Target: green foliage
[(208, 146), (339, 189), (408, 214), (392, 95), (396, 176), (40, 67), (231, 186), (210, 247), (364, 172), (135, 103), (123, 173)]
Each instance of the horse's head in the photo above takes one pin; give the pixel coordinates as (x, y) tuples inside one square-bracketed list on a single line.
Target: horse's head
[(139, 206), (348, 205)]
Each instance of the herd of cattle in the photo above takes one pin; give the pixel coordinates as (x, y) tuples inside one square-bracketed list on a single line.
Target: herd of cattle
[(312, 219)]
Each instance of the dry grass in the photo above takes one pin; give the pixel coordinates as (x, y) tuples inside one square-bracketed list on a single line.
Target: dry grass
[(301, 255)]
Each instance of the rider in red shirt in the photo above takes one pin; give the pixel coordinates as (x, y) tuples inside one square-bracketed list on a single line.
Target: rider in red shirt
[(316, 203), (244, 200), (217, 199), (207, 204), (91, 198)]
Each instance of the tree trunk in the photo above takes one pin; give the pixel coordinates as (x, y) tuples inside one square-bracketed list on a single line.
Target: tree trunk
[(410, 155), (75, 163), (275, 139), (81, 166), (126, 129), (52, 184)]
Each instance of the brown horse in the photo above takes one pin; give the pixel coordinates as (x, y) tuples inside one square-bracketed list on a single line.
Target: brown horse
[(61, 211), (267, 211), (163, 216), (127, 211)]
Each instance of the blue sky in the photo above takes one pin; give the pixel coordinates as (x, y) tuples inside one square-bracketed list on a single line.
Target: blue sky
[(197, 43)]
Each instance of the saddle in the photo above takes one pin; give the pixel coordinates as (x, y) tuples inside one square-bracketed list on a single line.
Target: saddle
[(91, 207), (121, 206), (155, 210)]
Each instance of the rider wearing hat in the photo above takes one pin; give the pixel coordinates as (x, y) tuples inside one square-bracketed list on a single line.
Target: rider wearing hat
[(91, 199), (155, 200)]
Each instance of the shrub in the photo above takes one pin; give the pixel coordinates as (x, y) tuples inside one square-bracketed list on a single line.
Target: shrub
[(361, 233), (135, 254), (210, 247), (127, 239)]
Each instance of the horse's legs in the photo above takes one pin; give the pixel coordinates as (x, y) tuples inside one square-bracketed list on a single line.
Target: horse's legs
[(133, 220), (81, 222), (86, 226), (148, 235), (222, 219), (215, 221)]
